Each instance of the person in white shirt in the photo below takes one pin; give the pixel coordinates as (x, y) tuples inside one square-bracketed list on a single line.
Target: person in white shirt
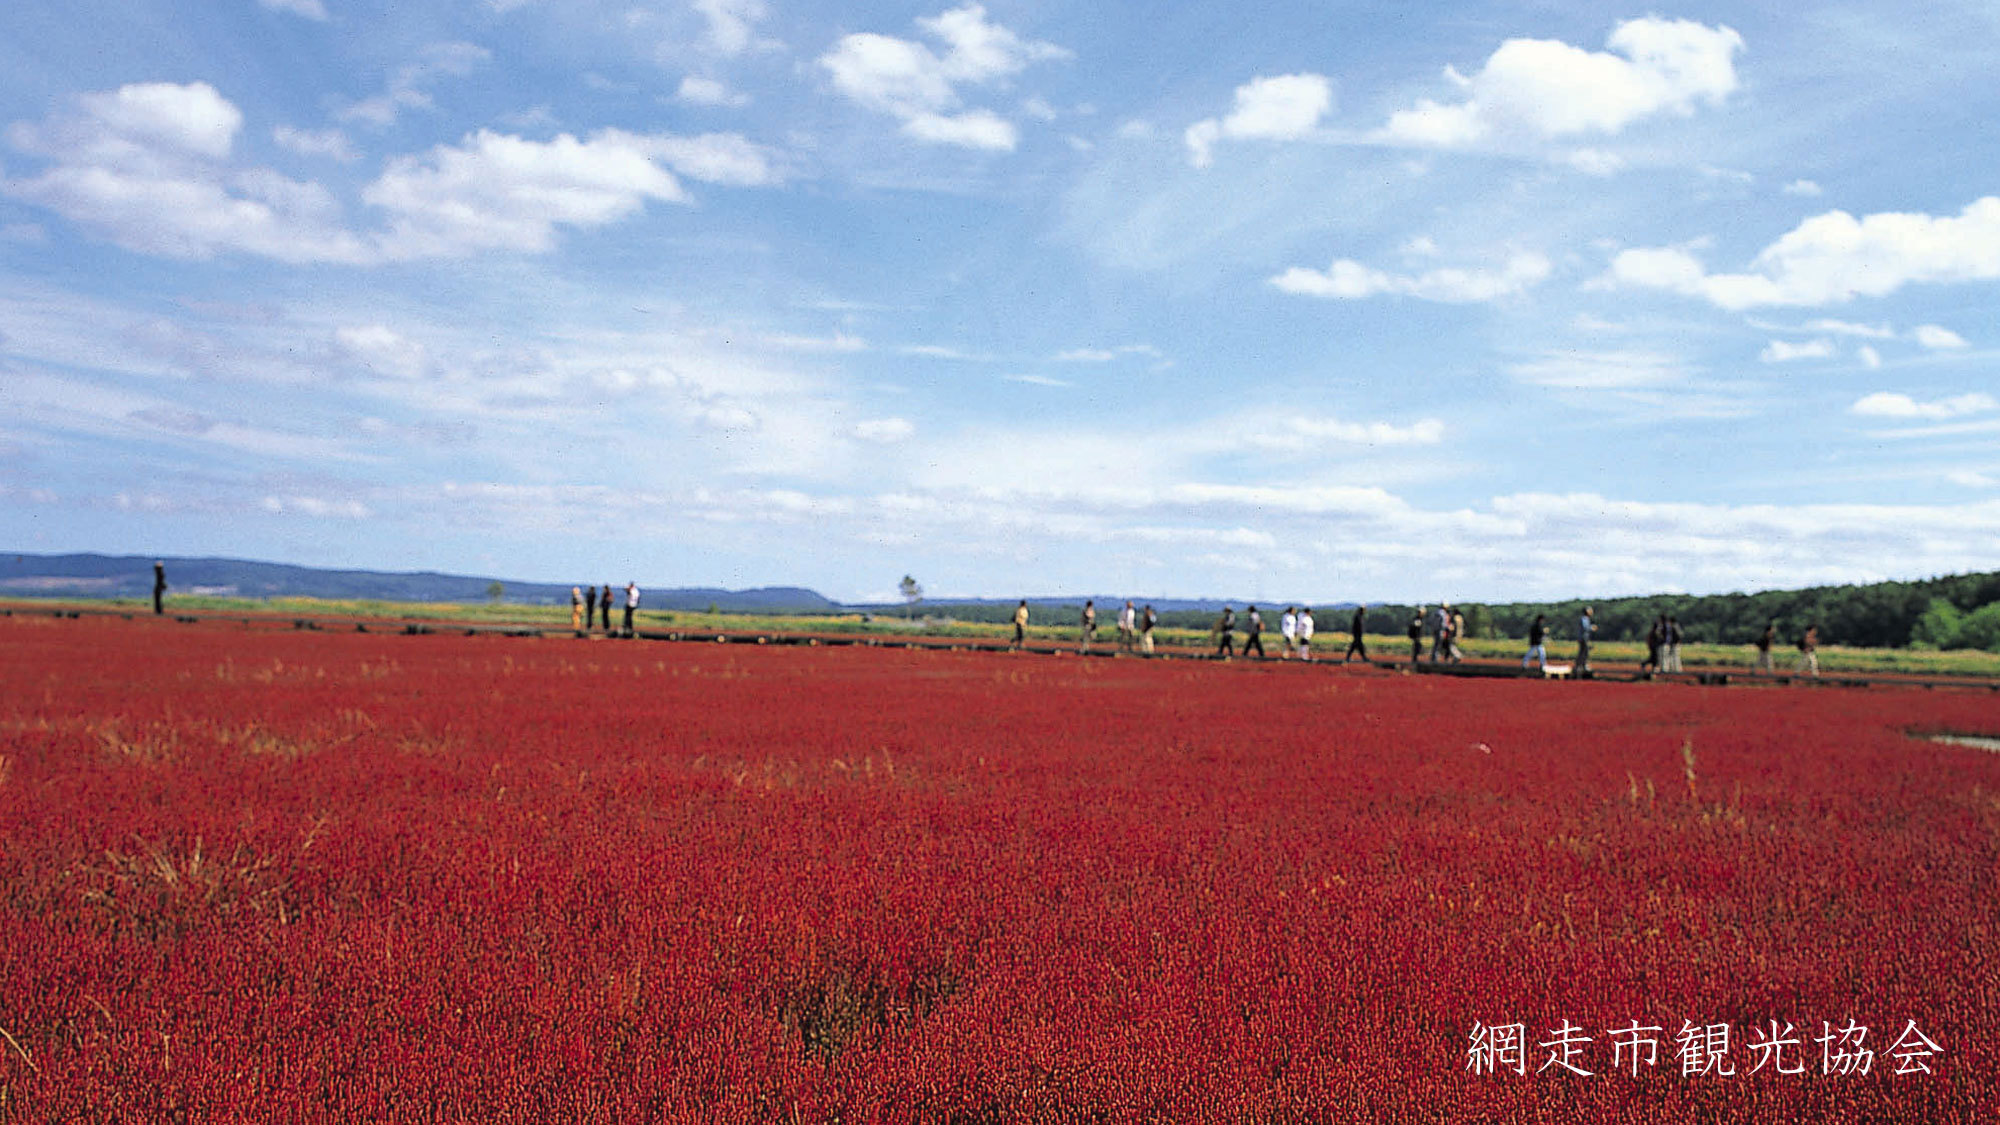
[(1305, 632), (1128, 627), (1288, 626), (631, 605)]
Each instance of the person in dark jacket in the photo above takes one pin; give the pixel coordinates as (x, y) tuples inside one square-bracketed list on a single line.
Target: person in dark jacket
[(1254, 633), (1356, 627), (1538, 634), (159, 586), (1225, 627), (604, 603)]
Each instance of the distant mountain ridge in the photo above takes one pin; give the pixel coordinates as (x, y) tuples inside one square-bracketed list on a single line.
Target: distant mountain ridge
[(131, 576)]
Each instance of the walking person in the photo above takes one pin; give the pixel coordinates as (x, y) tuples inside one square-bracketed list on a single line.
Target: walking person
[(1457, 631), (589, 608), (1585, 628), (1226, 627), (631, 605), (1440, 630), (1538, 632), (1020, 625), (1765, 641), (1128, 628), (1288, 628), (1088, 631), (1146, 622), (1417, 636), (1254, 630), (604, 604), (159, 586), (1672, 644), (576, 610), (1357, 628), (1305, 632), (1809, 651)]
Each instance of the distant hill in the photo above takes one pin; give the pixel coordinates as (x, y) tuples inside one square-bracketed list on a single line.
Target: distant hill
[(131, 576)]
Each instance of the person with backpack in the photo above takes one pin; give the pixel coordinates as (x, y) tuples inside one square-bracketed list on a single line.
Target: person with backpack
[(1417, 636), (1254, 632), (1225, 627), (1087, 631)]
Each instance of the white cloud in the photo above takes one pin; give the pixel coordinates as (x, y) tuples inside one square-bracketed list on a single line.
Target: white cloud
[(1834, 258), (709, 91), (1614, 370), (1300, 433), (310, 9), (1350, 280), (1596, 162), (1038, 380), (1849, 328), (1869, 357), (885, 431), (1938, 338), (943, 351), (1889, 404), (731, 24), (146, 167), (714, 158), (909, 81), (496, 191), (1784, 351), (406, 88), (1805, 188), (838, 342), (1538, 89), (321, 142), (140, 121), (1106, 355), (1280, 108), (383, 350), (1972, 478)]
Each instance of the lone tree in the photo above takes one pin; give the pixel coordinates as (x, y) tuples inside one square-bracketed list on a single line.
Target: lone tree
[(495, 591), (912, 593)]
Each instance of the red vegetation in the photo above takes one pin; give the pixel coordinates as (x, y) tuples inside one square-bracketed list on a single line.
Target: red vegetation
[(320, 877)]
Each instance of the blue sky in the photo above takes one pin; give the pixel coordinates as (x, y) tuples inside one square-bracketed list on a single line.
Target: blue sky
[(1278, 300)]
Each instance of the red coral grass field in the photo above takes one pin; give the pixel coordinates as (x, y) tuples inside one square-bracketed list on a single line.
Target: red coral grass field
[(315, 877)]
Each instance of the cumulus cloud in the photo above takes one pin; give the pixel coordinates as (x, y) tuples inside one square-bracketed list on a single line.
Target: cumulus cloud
[(1889, 404), (1350, 280), (406, 88), (147, 167), (310, 9), (1300, 433), (310, 142), (1833, 258), (912, 82), (732, 24), (383, 350), (885, 431), (495, 191), (1542, 89), (1784, 351), (1938, 338), (709, 91), (1280, 108), (1805, 188)]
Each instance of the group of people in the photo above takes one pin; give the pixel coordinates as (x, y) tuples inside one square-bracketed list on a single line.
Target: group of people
[(1136, 625), (1444, 626), (585, 604)]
